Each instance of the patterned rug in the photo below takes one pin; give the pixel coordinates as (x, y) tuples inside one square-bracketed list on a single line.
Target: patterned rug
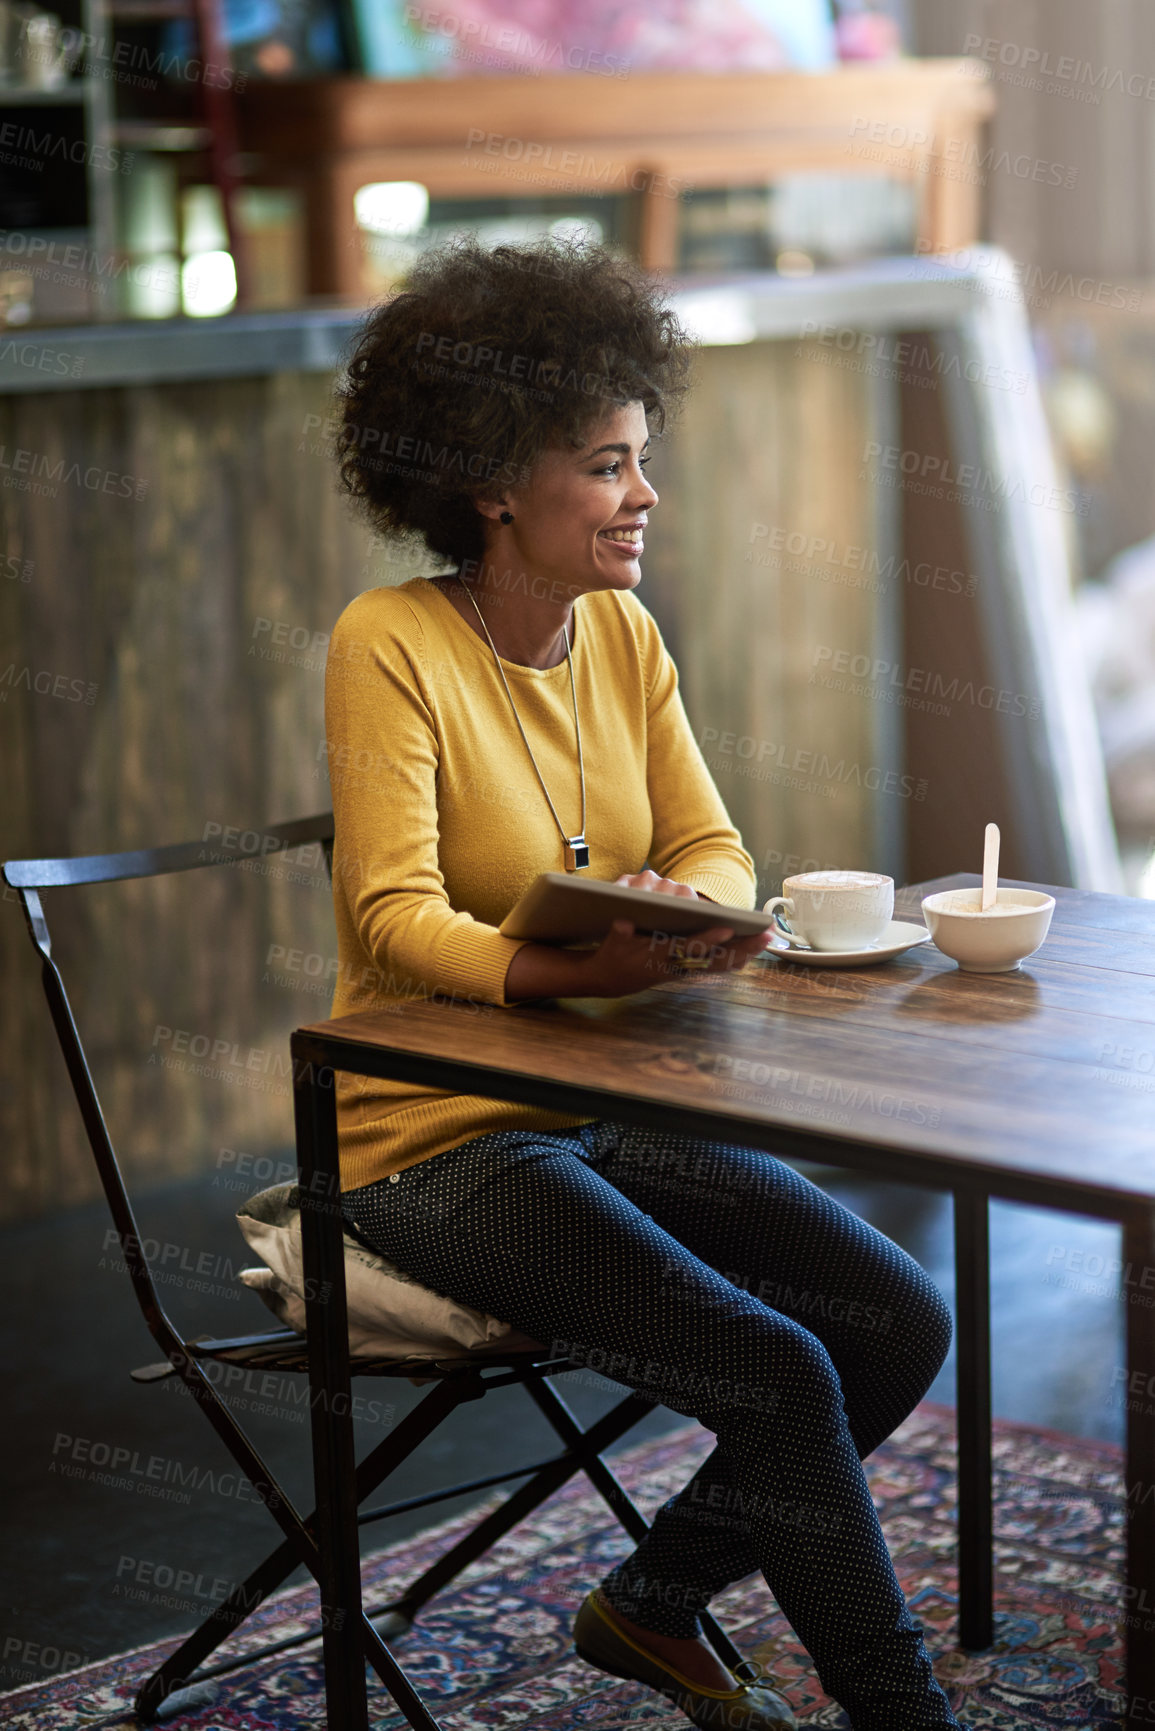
[(494, 1653)]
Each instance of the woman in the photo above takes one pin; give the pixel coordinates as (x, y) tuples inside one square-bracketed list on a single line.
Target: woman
[(502, 720)]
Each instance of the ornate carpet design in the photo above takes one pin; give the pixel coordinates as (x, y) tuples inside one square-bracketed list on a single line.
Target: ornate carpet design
[(493, 1653)]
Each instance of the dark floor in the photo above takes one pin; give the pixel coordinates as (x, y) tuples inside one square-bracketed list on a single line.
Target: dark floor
[(125, 1520)]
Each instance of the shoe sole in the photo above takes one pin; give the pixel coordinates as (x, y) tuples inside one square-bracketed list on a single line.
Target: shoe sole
[(610, 1670), (584, 1653)]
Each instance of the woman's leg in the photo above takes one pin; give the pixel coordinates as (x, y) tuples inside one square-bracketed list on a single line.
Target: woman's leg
[(524, 1227), (781, 1239)]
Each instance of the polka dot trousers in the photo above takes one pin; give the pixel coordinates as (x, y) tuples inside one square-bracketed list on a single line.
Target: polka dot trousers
[(735, 1291)]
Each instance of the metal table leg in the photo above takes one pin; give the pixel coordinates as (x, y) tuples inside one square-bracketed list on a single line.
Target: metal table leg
[(334, 1458), (1139, 1473), (975, 1536)]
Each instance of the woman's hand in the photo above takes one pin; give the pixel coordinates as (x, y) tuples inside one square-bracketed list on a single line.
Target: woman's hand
[(626, 962), (649, 880)]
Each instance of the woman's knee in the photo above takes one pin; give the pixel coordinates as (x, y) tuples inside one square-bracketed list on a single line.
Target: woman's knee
[(938, 1323), (923, 1315), (779, 1371)]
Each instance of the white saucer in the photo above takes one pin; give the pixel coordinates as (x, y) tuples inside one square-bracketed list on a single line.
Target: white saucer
[(899, 935)]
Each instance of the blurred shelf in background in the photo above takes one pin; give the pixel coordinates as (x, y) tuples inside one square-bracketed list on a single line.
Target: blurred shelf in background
[(690, 170), (119, 176)]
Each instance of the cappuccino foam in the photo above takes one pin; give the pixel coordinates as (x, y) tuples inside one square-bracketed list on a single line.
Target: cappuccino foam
[(840, 880)]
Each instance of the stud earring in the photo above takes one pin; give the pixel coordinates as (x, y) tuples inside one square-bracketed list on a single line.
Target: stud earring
[(507, 517)]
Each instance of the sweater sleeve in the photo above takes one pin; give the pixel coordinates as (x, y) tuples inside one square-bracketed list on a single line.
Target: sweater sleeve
[(383, 761), (694, 841)]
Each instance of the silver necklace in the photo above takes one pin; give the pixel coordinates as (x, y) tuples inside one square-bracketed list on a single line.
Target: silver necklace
[(577, 853)]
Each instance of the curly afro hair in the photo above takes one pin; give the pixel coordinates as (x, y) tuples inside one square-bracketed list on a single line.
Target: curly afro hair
[(487, 358)]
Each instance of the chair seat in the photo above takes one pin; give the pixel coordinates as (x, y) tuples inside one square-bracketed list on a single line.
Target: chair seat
[(284, 1349), (390, 1315)]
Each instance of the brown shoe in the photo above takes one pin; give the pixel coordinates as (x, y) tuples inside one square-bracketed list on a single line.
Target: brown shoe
[(752, 1706)]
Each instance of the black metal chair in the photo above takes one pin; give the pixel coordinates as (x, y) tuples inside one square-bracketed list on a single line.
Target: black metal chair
[(465, 1378)]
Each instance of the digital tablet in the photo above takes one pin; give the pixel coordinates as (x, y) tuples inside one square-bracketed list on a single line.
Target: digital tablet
[(558, 908)]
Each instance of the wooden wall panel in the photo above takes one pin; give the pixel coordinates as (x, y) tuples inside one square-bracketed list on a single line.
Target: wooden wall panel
[(154, 606), (961, 754), (769, 457), (1072, 94)]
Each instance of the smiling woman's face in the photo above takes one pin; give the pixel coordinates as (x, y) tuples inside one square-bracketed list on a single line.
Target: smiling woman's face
[(578, 521)]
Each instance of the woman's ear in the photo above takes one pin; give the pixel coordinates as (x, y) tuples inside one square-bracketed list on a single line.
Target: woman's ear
[(492, 508)]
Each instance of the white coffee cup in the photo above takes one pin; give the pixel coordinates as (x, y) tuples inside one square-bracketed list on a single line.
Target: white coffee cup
[(835, 910)]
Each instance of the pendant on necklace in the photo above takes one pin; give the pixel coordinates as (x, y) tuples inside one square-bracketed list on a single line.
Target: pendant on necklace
[(577, 853)]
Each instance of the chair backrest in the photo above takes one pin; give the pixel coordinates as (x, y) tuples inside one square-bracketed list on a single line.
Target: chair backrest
[(28, 878)]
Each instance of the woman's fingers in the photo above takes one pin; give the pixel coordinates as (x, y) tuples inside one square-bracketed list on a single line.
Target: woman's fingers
[(649, 880), (631, 959), (704, 951), (718, 951), (714, 935)]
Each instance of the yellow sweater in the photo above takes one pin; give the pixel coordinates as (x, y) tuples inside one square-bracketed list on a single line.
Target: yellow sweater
[(441, 823)]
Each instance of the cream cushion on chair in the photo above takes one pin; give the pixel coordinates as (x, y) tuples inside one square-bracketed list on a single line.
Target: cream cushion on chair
[(390, 1314)]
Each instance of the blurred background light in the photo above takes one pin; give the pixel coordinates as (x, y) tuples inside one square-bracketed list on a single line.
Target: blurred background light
[(208, 284), (391, 207)]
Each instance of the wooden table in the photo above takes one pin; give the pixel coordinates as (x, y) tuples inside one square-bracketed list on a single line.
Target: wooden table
[(1034, 1086)]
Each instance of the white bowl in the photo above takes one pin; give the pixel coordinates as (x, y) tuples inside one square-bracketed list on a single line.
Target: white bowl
[(992, 943)]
